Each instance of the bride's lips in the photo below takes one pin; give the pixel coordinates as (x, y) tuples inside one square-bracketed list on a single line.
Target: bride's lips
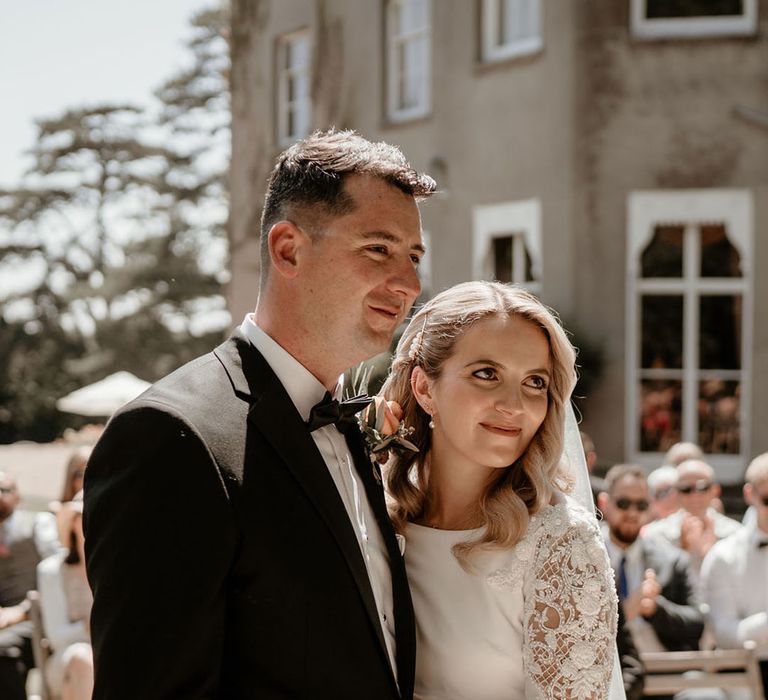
[(506, 430)]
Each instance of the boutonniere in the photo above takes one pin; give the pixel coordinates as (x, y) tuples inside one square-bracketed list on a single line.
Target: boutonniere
[(383, 430)]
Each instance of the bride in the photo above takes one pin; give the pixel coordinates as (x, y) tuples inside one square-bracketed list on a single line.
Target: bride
[(511, 585)]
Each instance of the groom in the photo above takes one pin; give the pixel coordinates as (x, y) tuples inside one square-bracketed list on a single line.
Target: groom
[(237, 545)]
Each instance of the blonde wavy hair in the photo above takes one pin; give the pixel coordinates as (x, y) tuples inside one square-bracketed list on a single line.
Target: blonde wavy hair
[(524, 487)]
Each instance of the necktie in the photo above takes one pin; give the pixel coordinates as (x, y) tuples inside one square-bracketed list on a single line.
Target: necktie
[(623, 587), (339, 413)]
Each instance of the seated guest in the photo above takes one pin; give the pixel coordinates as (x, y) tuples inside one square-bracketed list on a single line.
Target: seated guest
[(65, 603), (735, 574), (697, 525), (73, 484), (653, 578), (662, 491), (25, 538)]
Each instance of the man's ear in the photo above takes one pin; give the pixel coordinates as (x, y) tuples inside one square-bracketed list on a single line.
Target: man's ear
[(748, 494), (285, 239), (421, 386), (602, 501)]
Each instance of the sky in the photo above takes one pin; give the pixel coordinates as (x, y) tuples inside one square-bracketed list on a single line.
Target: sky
[(58, 54)]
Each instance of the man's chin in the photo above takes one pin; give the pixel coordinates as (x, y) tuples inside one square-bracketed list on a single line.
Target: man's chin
[(625, 537)]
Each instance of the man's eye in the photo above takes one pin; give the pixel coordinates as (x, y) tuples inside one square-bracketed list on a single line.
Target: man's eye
[(416, 260), (378, 249)]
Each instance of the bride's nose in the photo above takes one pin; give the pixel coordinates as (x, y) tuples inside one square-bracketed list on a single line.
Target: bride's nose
[(511, 401)]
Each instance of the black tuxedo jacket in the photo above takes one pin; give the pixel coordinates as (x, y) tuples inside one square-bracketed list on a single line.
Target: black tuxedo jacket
[(221, 556), (678, 620)]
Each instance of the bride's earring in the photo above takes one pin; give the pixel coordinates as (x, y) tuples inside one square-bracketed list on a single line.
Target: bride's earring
[(431, 424)]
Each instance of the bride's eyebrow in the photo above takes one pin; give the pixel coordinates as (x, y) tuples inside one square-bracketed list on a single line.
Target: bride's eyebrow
[(481, 361)]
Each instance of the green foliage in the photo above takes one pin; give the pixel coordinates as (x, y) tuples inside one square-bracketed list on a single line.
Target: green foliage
[(116, 239)]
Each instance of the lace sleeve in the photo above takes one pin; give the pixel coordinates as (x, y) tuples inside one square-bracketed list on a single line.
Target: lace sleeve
[(570, 611)]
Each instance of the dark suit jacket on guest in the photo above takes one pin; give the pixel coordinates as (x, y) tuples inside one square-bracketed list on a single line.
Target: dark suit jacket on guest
[(223, 562), (678, 620)]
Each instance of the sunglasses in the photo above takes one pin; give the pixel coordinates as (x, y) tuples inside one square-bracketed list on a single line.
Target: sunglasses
[(6, 490), (700, 486), (760, 497), (663, 493), (627, 503)]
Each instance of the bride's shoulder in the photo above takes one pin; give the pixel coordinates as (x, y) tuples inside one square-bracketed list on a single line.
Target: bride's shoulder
[(563, 515)]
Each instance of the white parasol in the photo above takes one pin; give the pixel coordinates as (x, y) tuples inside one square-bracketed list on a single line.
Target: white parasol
[(104, 397)]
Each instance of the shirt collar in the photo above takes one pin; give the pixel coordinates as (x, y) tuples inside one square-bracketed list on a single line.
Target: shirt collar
[(615, 553), (303, 388)]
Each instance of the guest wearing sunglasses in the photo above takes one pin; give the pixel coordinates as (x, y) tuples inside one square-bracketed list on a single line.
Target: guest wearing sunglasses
[(652, 577), (735, 574), (662, 485), (697, 525)]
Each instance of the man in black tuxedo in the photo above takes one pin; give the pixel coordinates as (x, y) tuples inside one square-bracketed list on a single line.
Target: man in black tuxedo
[(237, 543), (653, 578)]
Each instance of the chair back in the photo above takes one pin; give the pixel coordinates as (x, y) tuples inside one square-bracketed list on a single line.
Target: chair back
[(669, 672), (41, 648)]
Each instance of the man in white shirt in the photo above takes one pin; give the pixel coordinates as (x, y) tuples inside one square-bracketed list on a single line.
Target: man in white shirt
[(258, 560), (735, 574), (696, 526)]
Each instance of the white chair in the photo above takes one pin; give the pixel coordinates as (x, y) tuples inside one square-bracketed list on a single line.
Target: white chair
[(671, 671)]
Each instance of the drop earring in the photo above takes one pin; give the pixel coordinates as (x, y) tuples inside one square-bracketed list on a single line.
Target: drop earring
[(431, 424)]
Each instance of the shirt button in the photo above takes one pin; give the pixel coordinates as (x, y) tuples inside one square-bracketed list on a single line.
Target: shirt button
[(384, 616)]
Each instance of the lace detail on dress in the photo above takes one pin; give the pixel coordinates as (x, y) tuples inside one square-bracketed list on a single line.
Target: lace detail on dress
[(569, 604)]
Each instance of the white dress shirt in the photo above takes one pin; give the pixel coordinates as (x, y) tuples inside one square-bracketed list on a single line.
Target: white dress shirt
[(735, 586), (305, 390)]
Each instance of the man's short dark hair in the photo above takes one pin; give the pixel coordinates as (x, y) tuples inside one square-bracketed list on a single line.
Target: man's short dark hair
[(311, 174), (621, 471)]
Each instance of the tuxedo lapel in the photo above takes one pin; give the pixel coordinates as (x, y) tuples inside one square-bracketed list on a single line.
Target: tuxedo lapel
[(405, 631), (274, 416)]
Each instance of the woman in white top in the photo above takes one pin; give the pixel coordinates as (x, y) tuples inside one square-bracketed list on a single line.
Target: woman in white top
[(65, 604), (511, 585)]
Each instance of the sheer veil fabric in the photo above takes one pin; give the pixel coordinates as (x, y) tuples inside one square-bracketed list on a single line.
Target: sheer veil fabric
[(573, 454)]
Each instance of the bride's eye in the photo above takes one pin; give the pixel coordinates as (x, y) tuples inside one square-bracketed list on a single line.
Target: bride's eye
[(537, 382), (487, 373)]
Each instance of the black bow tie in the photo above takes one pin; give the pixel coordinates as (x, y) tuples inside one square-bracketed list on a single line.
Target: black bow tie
[(341, 414)]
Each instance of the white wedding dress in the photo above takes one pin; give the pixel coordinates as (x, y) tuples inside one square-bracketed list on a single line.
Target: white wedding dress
[(536, 621)]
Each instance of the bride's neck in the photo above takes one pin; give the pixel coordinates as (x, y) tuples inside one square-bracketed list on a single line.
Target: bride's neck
[(453, 495)]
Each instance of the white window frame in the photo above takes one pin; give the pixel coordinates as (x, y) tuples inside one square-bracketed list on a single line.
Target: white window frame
[(425, 266), (284, 73), (492, 52), (520, 219), (690, 209), (692, 27), (395, 112)]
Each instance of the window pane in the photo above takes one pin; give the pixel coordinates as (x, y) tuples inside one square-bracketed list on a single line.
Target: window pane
[(528, 264), (520, 20), (661, 325), (718, 256), (660, 414), (298, 52), (720, 332), (503, 259), (658, 9), (663, 256), (719, 416)]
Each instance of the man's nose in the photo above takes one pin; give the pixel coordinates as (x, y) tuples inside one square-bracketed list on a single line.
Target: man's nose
[(406, 280)]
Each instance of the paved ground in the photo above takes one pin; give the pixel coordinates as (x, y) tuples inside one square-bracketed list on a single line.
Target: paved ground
[(39, 470)]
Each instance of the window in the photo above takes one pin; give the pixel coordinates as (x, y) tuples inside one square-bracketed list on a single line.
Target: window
[(688, 324), (510, 28), (294, 105), (507, 243), (409, 67), (652, 19)]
